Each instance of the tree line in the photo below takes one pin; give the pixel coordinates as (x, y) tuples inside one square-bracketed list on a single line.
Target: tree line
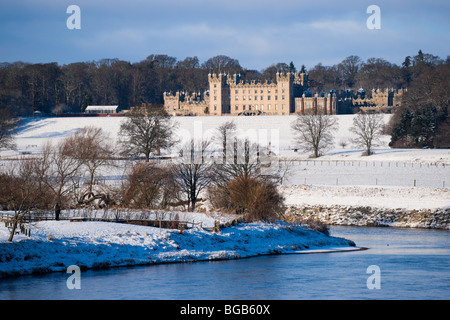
[(52, 88)]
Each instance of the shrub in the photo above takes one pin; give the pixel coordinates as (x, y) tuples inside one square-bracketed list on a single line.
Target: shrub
[(256, 198), (147, 186)]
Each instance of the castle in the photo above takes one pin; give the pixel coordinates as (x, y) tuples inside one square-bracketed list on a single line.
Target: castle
[(287, 95)]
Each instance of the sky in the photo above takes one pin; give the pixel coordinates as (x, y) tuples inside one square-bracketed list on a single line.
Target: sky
[(258, 33)]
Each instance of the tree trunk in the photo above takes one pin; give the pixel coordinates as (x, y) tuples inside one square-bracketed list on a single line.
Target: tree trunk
[(14, 227), (316, 153)]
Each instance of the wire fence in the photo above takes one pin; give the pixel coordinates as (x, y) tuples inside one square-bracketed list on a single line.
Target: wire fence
[(369, 173)]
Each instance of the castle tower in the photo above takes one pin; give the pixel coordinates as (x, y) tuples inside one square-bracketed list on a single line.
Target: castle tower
[(285, 84), (219, 93)]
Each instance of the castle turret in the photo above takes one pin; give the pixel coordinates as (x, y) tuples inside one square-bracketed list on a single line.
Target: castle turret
[(219, 91)]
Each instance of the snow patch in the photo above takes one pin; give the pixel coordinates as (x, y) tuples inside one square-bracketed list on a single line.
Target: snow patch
[(55, 245)]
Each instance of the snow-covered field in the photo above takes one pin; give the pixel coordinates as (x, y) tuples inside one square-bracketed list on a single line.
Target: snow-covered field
[(340, 171), (392, 178), (276, 129)]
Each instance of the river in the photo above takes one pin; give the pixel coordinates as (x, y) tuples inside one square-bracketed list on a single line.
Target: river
[(410, 264)]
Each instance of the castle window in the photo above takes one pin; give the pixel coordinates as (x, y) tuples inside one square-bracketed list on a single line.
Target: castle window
[(215, 91), (215, 85), (249, 97), (262, 98), (256, 97), (237, 107), (250, 107), (276, 97), (256, 91), (262, 107), (268, 107), (215, 107), (215, 98), (282, 97), (268, 97), (243, 98), (236, 98), (243, 107), (236, 91)]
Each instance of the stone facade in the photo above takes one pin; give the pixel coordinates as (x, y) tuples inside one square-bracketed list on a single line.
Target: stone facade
[(379, 99), (182, 104), (287, 95)]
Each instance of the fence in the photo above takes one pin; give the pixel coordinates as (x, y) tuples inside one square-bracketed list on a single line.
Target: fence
[(8, 219), (375, 173)]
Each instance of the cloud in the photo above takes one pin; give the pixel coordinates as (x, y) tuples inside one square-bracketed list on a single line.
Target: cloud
[(257, 33)]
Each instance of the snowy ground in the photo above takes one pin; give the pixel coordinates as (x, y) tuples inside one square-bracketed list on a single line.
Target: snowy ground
[(55, 245), (277, 129), (367, 196), (392, 178), (405, 175)]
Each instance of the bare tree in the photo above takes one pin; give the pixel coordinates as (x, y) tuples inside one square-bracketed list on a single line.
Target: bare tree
[(8, 126), (21, 191), (194, 173), (60, 169), (367, 128), (146, 130), (244, 158), (146, 185), (343, 143), (93, 148), (314, 132), (225, 133)]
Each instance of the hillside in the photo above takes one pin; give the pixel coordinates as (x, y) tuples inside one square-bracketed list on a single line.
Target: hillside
[(35, 132)]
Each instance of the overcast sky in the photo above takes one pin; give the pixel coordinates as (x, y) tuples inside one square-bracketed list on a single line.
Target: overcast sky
[(258, 33)]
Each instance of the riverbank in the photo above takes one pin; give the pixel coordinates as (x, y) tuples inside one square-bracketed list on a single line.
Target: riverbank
[(370, 205), (375, 217), (55, 245)]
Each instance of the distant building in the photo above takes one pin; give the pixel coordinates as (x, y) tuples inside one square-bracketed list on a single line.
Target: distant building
[(287, 95), (379, 100), (101, 109)]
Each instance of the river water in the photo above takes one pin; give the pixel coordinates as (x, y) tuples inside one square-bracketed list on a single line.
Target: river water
[(410, 264)]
